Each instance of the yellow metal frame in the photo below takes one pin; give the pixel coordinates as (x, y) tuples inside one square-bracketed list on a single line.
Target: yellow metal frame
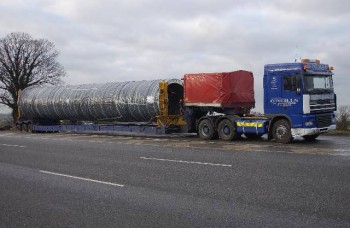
[(164, 119), (248, 124)]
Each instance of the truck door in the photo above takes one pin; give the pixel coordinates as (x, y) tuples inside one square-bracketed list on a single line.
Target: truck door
[(272, 93), (291, 102)]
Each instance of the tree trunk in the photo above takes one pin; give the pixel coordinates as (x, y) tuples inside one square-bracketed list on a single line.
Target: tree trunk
[(15, 114)]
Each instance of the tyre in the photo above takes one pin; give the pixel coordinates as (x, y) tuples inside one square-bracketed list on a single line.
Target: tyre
[(310, 138), (282, 131), (227, 130), (19, 127), (30, 128), (25, 127), (206, 130)]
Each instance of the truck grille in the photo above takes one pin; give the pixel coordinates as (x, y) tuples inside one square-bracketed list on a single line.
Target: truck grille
[(324, 120), (323, 106)]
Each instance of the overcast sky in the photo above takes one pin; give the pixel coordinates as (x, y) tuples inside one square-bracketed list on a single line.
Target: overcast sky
[(122, 40)]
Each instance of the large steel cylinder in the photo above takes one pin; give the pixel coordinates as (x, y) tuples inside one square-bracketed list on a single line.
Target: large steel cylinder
[(136, 101)]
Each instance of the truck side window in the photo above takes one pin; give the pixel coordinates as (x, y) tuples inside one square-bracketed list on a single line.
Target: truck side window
[(291, 82)]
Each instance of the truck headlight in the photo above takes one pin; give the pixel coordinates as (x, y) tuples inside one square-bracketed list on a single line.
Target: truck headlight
[(309, 123)]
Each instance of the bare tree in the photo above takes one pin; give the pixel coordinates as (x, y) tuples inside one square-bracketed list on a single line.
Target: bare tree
[(25, 62), (343, 118)]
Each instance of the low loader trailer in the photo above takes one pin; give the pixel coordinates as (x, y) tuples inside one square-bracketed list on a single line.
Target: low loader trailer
[(299, 100)]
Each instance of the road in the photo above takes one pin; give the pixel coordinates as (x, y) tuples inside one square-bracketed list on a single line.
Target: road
[(72, 180)]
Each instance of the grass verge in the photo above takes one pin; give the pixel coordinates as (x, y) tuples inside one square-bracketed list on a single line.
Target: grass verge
[(339, 133)]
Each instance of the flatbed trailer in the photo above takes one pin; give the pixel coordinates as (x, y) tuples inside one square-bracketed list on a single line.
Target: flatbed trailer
[(299, 100)]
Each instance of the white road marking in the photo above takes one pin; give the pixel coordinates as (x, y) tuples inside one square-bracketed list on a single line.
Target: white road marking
[(10, 145), (188, 162), (82, 178), (340, 154), (342, 150), (96, 141), (7, 134)]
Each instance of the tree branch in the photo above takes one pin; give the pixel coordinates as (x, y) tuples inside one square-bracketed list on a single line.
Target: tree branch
[(25, 62)]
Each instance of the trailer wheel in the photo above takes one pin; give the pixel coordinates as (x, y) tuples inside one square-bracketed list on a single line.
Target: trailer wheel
[(30, 128), (227, 130), (19, 127), (25, 127), (310, 138), (206, 130), (282, 131)]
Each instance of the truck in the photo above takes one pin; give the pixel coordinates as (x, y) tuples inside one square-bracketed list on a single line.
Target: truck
[(299, 101)]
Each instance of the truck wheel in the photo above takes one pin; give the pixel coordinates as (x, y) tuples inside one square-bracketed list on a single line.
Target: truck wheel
[(206, 130), (310, 138), (227, 130), (282, 131)]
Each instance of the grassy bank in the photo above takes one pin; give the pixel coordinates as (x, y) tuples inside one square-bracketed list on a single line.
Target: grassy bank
[(339, 133), (5, 121), (5, 125)]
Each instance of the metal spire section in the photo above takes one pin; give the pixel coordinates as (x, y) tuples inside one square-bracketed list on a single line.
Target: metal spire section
[(135, 101)]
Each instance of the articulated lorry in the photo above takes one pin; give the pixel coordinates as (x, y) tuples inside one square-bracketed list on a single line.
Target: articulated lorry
[(299, 100)]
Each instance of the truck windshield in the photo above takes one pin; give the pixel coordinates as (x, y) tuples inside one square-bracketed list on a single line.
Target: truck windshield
[(318, 84)]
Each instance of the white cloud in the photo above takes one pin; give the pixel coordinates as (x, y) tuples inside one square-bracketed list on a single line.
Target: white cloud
[(146, 39)]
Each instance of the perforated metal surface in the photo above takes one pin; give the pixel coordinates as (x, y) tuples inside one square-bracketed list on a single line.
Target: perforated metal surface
[(119, 101)]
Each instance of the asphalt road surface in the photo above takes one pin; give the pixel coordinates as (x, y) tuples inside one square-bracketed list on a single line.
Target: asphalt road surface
[(72, 180)]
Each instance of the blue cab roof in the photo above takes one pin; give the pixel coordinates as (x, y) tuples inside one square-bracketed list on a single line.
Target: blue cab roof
[(297, 67)]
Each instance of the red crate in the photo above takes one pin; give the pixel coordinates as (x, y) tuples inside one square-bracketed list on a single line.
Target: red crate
[(224, 90)]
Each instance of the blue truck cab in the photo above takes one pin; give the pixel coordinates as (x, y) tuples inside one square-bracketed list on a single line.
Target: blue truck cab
[(299, 99)]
